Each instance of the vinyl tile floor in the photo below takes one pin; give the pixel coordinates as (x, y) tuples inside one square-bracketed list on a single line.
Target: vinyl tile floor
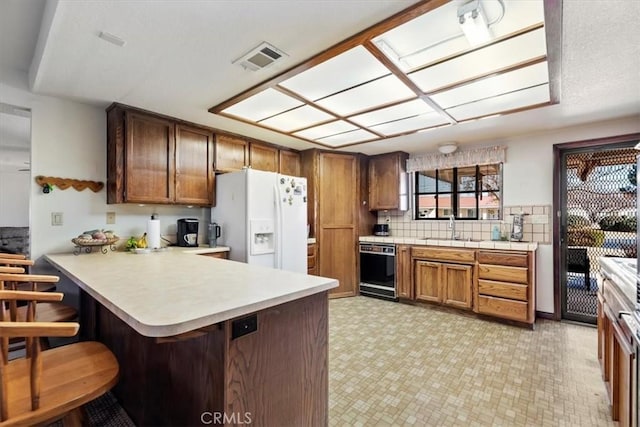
[(394, 364)]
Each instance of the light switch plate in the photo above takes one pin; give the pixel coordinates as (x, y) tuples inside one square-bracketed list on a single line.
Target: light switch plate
[(56, 218), (111, 217)]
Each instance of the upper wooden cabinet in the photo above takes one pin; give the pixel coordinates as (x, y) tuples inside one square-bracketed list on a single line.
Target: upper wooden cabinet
[(388, 182), (263, 157), (194, 169), (232, 153), (154, 159), (289, 162)]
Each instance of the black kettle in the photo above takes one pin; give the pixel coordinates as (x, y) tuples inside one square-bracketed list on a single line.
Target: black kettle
[(214, 233)]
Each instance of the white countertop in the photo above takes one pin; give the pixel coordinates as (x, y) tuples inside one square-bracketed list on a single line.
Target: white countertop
[(170, 292), (205, 250), (622, 271), (485, 244)]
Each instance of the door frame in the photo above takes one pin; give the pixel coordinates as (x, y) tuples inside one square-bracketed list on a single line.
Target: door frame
[(558, 149)]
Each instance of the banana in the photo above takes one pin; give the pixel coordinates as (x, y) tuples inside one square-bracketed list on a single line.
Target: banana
[(142, 241)]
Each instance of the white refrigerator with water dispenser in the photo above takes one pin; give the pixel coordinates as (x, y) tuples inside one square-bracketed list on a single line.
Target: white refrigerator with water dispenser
[(263, 218)]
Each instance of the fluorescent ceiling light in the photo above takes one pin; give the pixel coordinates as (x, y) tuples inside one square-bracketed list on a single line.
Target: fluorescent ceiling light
[(474, 23)]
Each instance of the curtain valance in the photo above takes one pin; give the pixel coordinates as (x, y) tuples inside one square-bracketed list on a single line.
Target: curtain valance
[(476, 156)]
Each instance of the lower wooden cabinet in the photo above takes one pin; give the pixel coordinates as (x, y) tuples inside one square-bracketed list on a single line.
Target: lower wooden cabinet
[(617, 354), (223, 255), (448, 284), (404, 284), (312, 259)]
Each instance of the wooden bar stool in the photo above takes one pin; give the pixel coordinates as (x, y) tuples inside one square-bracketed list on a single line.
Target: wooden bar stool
[(26, 263), (52, 384), (12, 256)]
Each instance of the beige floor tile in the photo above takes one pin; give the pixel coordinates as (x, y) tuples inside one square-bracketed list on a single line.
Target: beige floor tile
[(393, 364)]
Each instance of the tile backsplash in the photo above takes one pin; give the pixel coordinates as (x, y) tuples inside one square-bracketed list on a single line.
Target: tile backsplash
[(537, 225)]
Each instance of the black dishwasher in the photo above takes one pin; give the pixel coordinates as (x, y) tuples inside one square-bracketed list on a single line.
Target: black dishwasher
[(378, 270)]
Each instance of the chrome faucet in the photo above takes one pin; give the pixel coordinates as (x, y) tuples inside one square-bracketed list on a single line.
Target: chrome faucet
[(452, 226)]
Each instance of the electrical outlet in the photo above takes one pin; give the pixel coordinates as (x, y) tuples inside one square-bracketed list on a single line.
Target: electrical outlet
[(111, 217), (56, 218)]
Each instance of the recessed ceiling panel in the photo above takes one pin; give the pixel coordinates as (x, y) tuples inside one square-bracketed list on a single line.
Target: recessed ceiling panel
[(492, 86), (377, 93), (436, 35), (498, 104), (491, 58), (328, 129), (351, 68), (263, 105), (297, 118), (409, 124), (400, 111), (351, 137)]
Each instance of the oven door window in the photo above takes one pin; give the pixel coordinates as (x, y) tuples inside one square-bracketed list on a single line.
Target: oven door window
[(377, 269)]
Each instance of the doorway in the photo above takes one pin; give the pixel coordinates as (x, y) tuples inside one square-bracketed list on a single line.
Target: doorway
[(596, 199), (15, 178)]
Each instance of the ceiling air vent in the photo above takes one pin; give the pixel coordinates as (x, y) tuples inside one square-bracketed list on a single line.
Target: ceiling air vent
[(260, 57)]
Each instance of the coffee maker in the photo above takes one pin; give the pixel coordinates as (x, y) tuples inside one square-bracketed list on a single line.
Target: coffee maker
[(187, 232)]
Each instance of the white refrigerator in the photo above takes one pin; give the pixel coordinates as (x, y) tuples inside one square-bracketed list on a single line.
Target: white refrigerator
[(263, 218)]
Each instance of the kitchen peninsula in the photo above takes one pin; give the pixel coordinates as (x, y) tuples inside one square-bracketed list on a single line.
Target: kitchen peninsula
[(197, 336)]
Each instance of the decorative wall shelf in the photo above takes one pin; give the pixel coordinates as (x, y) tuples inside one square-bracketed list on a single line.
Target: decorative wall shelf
[(64, 183)]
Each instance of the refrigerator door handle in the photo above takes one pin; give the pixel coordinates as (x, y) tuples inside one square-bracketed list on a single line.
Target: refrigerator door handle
[(278, 228)]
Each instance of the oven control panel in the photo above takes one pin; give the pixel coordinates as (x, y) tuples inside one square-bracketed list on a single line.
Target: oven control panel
[(378, 249)]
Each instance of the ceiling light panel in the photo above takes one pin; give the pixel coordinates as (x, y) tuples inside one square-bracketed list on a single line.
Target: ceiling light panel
[(263, 105), (533, 75), (437, 35), (325, 130), (351, 68), (400, 111), (375, 94), (297, 118), (410, 124), (351, 137), (482, 61), (502, 103)]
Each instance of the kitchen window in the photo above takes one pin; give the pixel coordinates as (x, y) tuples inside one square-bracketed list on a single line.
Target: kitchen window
[(470, 192)]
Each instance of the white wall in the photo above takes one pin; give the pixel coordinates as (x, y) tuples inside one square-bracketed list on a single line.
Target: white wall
[(68, 140), (14, 199), (528, 180)]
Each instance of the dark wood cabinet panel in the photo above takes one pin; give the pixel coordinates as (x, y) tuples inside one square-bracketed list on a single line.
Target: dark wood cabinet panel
[(289, 162), (388, 181), (149, 168), (194, 166), (428, 279), (403, 272), (232, 153), (332, 199), (156, 159), (263, 157), (337, 254), (338, 189)]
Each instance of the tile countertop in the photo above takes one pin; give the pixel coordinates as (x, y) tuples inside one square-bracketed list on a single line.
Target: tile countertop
[(166, 293), (485, 244)]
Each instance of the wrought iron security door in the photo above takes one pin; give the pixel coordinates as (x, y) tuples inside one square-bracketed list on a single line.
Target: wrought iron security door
[(598, 220)]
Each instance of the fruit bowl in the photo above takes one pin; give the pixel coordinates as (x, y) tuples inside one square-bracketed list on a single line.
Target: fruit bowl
[(87, 245)]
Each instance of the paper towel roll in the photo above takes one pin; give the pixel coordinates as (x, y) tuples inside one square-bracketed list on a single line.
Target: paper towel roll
[(153, 233)]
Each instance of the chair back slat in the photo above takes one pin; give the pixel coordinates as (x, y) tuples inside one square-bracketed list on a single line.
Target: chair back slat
[(12, 270), (13, 262), (12, 256)]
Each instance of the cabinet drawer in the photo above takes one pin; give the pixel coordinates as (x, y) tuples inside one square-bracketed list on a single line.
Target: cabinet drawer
[(311, 249), (513, 259), (502, 289), (444, 254), (311, 262), (502, 273), (500, 307)]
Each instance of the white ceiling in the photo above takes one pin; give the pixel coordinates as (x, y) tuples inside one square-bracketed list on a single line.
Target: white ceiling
[(178, 58)]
